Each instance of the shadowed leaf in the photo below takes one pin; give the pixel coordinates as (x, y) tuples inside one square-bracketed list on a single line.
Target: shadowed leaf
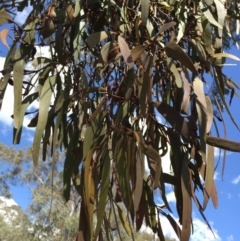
[(175, 51), (103, 193), (144, 11), (174, 118), (95, 38)]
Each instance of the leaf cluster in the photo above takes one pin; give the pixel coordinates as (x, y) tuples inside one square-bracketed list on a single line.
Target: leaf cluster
[(127, 79)]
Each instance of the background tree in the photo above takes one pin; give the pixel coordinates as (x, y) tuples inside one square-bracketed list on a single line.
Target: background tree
[(46, 217), (116, 69)]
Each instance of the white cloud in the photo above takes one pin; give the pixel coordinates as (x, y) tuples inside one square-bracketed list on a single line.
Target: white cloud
[(8, 100), (22, 16), (230, 238), (6, 202), (236, 180), (203, 233), (220, 152), (201, 230), (215, 177), (171, 197)]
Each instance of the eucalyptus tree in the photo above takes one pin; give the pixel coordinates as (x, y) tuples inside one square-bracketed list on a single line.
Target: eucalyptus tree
[(126, 82)]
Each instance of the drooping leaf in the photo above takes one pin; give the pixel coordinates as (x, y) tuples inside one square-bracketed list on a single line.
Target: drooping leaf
[(209, 176), (174, 70), (210, 17), (47, 28), (58, 44), (126, 53), (174, 118), (173, 223), (103, 193), (95, 38), (68, 165), (224, 102), (200, 50), (40, 60), (136, 52), (209, 114), (159, 229), (221, 14), (4, 17), (139, 180), (122, 168), (214, 195), (25, 104), (207, 36), (208, 2), (154, 155), (98, 109), (201, 107), (187, 204), (225, 55), (142, 93), (45, 99), (166, 26), (175, 51), (18, 69), (89, 188), (124, 221), (151, 206), (144, 11), (187, 91)]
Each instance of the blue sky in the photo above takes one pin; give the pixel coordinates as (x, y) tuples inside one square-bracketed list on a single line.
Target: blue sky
[(224, 220)]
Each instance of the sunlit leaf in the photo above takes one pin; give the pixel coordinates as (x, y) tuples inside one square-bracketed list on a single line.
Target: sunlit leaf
[(4, 17), (214, 195), (202, 113), (209, 175), (45, 99), (125, 52), (221, 14), (40, 60), (210, 17), (225, 55), (89, 189), (17, 90), (209, 114)]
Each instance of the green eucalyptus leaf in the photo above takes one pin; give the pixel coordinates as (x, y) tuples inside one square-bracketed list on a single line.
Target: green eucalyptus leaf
[(45, 99)]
